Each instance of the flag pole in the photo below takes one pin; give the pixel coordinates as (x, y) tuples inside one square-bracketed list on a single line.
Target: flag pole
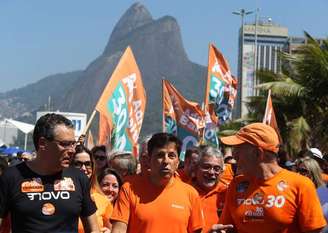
[(205, 104), (163, 117), (266, 107), (89, 122)]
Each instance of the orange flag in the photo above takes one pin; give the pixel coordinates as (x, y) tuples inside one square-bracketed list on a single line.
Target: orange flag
[(221, 87), (270, 117), (104, 130), (185, 114), (185, 119), (123, 103)]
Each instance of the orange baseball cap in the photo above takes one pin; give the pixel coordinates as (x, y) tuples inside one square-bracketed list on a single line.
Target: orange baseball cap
[(258, 134)]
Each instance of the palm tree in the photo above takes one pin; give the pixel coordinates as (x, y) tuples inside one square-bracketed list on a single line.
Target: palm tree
[(300, 96)]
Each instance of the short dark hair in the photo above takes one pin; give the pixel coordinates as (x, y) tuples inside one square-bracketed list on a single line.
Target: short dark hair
[(192, 150), (98, 148), (45, 126), (159, 140)]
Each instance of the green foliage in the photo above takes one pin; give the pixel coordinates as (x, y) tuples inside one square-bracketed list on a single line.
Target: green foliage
[(299, 95)]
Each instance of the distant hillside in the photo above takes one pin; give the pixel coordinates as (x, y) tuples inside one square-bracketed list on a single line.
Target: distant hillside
[(159, 51), (23, 101)]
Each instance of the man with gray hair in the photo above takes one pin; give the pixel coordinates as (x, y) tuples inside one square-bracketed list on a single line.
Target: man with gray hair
[(209, 167), (123, 162)]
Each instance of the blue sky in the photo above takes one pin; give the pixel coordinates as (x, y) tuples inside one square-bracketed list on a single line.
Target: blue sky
[(40, 37)]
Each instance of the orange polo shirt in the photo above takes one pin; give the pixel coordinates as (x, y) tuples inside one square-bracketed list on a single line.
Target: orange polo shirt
[(147, 208), (227, 176), (104, 210), (212, 204), (285, 203)]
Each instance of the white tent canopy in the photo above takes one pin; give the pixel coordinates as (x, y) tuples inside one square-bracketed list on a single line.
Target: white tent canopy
[(24, 127)]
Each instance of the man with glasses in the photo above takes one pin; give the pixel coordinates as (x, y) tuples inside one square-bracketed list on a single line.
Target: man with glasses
[(208, 169), (45, 194), (266, 197), (158, 202)]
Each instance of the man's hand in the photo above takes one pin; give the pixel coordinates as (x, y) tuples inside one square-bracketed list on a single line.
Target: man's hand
[(81, 139), (119, 227), (105, 230), (220, 228)]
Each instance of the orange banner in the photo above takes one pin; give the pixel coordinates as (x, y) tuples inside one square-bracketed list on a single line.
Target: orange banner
[(187, 114), (270, 117), (104, 130), (123, 103), (221, 87)]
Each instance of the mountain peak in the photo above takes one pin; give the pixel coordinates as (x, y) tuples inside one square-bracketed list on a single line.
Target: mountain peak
[(136, 16)]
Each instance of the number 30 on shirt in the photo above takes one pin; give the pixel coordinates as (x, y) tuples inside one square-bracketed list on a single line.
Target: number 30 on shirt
[(275, 201)]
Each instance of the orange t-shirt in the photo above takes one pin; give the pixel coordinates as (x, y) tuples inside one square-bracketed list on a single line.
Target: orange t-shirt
[(147, 208), (227, 175), (285, 203), (212, 204), (104, 210), (324, 177)]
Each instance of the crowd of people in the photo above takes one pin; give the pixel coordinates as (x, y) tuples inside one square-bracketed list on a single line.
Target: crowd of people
[(247, 187)]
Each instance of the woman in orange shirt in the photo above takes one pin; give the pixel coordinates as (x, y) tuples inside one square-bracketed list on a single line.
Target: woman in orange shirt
[(84, 161)]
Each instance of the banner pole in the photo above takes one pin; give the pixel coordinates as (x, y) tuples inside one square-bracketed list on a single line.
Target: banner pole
[(89, 122), (163, 117)]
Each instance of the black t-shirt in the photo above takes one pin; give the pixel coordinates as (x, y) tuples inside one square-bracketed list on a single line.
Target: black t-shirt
[(44, 203)]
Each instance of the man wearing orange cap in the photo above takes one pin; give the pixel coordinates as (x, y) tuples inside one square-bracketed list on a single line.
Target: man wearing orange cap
[(266, 197)]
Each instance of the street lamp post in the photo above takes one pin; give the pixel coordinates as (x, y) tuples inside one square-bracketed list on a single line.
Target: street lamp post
[(255, 47), (242, 13)]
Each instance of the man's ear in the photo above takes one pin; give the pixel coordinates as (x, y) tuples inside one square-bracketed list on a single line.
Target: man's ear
[(42, 143)]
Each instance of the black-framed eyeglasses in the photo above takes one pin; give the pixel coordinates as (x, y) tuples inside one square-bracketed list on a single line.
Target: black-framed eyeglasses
[(100, 158), (79, 164), (208, 167), (66, 144)]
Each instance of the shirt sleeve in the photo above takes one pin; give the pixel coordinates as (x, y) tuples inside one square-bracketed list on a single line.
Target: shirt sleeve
[(88, 205), (108, 212), (310, 212), (226, 217), (121, 210), (196, 220)]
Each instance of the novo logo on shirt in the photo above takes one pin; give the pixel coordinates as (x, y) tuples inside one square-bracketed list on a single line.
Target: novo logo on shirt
[(64, 195), (177, 206)]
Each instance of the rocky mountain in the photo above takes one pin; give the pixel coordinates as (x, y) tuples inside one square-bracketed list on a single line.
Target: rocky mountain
[(159, 51)]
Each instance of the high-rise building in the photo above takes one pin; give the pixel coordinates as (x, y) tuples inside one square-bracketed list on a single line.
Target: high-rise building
[(266, 43), (295, 41)]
